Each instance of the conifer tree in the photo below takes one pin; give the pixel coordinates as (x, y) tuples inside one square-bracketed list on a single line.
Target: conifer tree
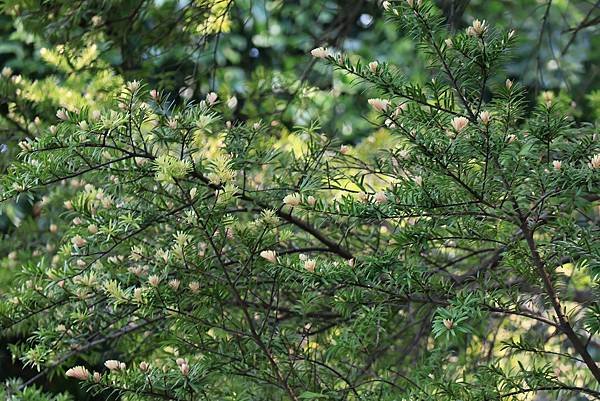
[(214, 258)]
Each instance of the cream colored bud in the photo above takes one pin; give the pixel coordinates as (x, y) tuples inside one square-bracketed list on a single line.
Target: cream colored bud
[(373, 66), (62, 114), (269, 255), (78, 372), (478, 28), (232, 102), (292, 199), (174, 284), (185, 369), (97, 20), (310, 265), (194, 286), (448, 323), (485, 117), (380, 105), (211, 98), (320, 52), (78, 241), (7, 72), (133, 85), (112, 365), (459, 123)]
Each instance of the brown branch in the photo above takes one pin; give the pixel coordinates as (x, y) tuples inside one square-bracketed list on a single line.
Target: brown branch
[(564, 324)]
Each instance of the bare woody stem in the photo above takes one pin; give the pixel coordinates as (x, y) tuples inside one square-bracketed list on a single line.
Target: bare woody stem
[(563, 321)]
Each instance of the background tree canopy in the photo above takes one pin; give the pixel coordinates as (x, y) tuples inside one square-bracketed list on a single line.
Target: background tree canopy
[(239, 199)]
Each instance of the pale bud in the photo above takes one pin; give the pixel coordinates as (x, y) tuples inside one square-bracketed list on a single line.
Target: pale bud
[(174, 284), (154, 280), (112, 365), (485, 117), (478, 28), (380, 105), (459, 123), (185, 369), (97, 20), (232, 102), (595, 162), (194, 286), (7, 72), (292, 199), (269, 255), (78, 241), (144, 366), (373, 66), (133, 85), (78, 372), (310, 265), (320, 52), (211, 98), (62, 114)]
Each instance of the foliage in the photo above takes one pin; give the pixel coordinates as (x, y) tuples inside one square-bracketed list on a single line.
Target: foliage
[(212, 249)]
